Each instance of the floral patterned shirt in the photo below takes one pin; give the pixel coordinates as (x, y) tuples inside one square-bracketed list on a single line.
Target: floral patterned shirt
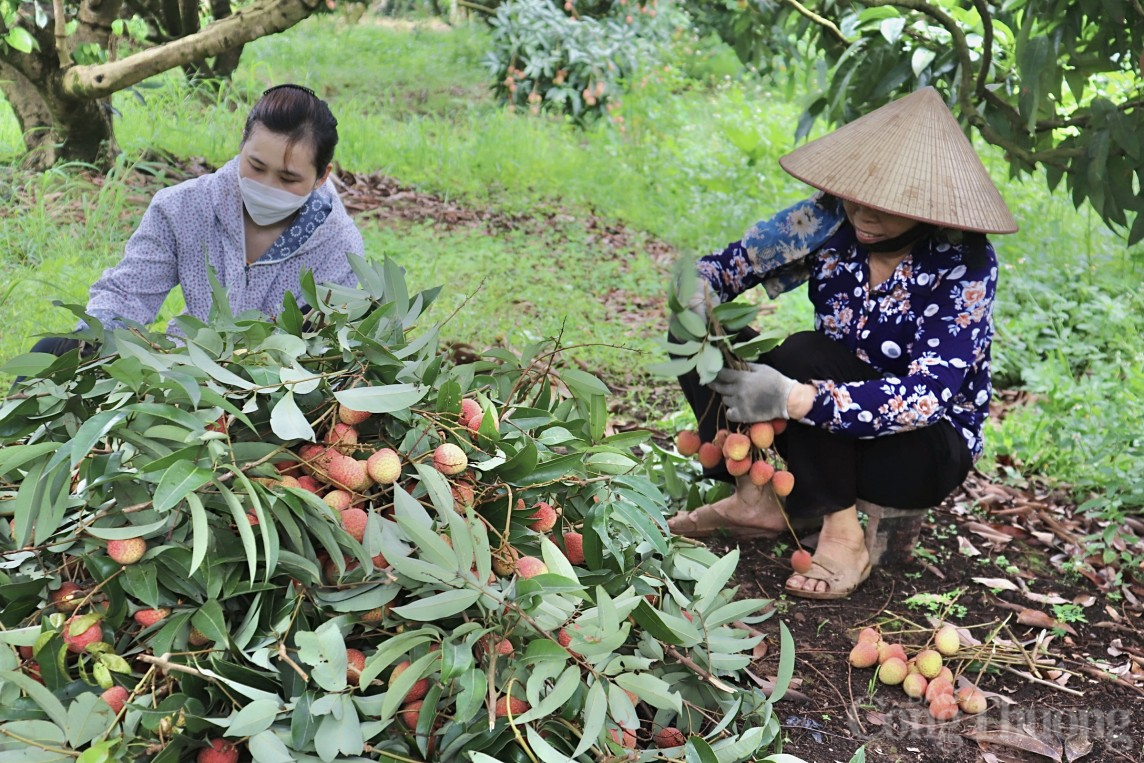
[(928, 329)]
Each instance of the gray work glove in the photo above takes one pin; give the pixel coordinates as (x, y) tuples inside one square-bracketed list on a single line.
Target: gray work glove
[(758, 394)]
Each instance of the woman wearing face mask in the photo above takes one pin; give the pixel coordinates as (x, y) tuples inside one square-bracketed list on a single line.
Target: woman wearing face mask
[(260, 221)]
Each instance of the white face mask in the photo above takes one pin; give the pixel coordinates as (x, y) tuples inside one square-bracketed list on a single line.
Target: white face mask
[(267, 205)]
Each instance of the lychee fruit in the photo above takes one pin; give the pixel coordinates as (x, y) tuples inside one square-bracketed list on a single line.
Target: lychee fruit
[(943, 707), (801, 561), (574, 547), (710, 455), (669, 736), (463, 495), (306, 482), (946, 640), (355, 664), (893, 671), (220, 751), (779, 425), (544, 519), (384, 466), (624, 738), (126, 551), (116, 698), (78, 642), (469, 409), (338, 500), (947, 674), (510, 706), (761, 473), (287, 480), (347, 473), (762, 434), (886, 651), (148, 617), (687, 442), (315, 458), (864, 655), (410, 713), (737, 468), (783, 482), (720, 438), (914, 685), (351, 417), (68, 596), (354, 520), (971, 700), (342, 436), (473, 423), (929, 663), (529, 566), (504, 560), (870, 634), (420, 687), (197, 637), (563, 637), (736, 447), (938, 686), (449, 459)]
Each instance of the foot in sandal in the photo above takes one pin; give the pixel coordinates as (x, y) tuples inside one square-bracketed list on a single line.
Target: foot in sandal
[(841, 562), (751, 512)]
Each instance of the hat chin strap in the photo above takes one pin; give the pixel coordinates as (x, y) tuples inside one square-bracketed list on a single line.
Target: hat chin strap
[(902, 240)]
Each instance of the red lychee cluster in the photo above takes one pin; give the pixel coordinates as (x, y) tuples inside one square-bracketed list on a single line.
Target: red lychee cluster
[(922, 676), (750, 454)]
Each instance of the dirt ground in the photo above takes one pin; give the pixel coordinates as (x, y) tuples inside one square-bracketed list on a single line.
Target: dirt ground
[(1008, 564)]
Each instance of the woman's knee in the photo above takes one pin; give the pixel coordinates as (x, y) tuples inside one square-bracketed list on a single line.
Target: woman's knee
[(809, 355)]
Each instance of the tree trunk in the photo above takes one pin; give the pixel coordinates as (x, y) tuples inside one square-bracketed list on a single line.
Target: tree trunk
[(33, 116)]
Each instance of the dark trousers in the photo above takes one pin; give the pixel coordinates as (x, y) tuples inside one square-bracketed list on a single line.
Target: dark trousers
[(53, 345), (907, 470)]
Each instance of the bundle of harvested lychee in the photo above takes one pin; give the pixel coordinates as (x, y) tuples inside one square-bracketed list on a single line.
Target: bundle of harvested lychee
[(751, 454), (923, 676)]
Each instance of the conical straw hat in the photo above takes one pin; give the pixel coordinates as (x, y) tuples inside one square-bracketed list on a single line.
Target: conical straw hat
[(908, 158)]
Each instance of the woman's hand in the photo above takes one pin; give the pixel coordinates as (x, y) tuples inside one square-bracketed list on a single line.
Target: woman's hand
[(800, 400), (758, 394)]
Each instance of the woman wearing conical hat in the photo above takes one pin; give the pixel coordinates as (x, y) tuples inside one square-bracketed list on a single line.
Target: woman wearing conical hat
[(886, 398)]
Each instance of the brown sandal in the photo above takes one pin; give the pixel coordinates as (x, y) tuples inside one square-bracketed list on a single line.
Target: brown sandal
[(707, 522), (841, 579)]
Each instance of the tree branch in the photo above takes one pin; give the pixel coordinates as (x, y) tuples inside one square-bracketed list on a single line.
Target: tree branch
[(822, 21), (960, 44), (61, 27), (258, 20)]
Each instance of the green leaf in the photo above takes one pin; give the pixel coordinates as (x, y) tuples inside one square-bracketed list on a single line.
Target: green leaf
[(179, 480), (287, 420), (39, 694), (709, 363), (595, 713), (715, 580), (786, 663), (440, 606), (128, 531), (30, 363), (583, 384), (255, 718), (88, 717), (266, 747), (21, 39), (211, 621), (698, 751), (651, 689), (471, 698), (543, 750), (563, 690), (386, 399), (299, 380), (200, 532), (200, 359)]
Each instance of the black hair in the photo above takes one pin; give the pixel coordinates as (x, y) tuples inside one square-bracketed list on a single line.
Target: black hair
[(296, 112)]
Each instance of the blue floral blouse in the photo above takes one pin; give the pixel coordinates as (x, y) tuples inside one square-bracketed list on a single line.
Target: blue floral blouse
[(927, 328)]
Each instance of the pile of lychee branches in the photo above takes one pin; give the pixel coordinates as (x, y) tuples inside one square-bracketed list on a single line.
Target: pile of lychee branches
[(317, 538)]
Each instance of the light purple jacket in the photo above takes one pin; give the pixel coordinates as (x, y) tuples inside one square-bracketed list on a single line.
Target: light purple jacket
[(202, 218)]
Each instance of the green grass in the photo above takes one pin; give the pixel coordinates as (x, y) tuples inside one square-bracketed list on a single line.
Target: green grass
[(413, 103)]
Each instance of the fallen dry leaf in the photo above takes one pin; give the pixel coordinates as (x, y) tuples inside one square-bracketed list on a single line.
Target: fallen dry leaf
[(1039, 619), (1019, 740), (1001, 584)]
